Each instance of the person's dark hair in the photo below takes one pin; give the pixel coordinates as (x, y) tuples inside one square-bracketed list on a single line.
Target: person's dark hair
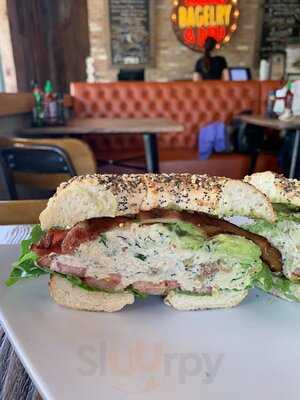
[(210, 44)]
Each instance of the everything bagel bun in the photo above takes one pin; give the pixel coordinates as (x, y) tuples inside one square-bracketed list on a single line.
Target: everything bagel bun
[(96, 196), (185, 302), (276, 187), (64, 294)]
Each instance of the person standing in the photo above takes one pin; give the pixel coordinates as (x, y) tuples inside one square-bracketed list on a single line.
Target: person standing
[(209, 67)]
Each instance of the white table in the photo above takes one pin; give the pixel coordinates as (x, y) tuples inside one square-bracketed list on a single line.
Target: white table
[(15, 384), (254, 347), (149, 128)]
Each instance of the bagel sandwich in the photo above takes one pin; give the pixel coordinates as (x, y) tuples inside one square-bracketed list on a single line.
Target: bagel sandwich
[(284, 233), (106, 239)]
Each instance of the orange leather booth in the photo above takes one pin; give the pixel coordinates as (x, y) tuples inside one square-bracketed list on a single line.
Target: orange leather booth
[(193, 104)]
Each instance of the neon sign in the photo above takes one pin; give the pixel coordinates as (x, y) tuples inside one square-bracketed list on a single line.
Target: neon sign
[(194, 20)]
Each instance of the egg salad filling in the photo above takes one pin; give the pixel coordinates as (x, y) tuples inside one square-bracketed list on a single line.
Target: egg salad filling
[(175, 252)]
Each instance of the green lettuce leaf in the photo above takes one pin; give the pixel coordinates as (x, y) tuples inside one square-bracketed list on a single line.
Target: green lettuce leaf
[(77, 282), (138, 294), (287, 212), (271, 283), (25, 266)]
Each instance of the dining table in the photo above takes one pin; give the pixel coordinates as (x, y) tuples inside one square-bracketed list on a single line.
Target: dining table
[(148, 128), (15, 384), (258, 342), (292, 124)]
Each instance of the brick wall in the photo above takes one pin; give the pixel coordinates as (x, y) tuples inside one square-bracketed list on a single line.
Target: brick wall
[(173, 60)]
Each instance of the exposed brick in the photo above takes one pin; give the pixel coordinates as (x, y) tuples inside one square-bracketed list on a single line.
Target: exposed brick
[(172, 59)]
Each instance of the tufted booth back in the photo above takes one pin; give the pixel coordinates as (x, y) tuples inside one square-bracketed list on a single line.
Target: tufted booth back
[(193, 104)]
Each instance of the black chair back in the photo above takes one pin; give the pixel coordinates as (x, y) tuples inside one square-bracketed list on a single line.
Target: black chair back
[(32, 159)]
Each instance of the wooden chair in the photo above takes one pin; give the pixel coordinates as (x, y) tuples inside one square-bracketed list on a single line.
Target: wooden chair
[(32, 159), (21, 211), (78, 151), (5, 141)]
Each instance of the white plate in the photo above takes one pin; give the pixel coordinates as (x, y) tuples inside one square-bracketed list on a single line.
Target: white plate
[(151, 351)]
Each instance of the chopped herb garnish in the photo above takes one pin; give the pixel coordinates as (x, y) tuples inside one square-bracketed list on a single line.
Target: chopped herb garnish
[(138, 294), (140, 256), (176, 228), (122, 237), (103, 239)]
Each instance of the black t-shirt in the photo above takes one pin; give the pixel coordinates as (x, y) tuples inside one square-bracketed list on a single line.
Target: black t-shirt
[(217, 66)]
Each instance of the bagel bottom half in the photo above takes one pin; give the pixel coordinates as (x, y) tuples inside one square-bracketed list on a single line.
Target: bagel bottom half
[(186, 302), (63, 293)]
